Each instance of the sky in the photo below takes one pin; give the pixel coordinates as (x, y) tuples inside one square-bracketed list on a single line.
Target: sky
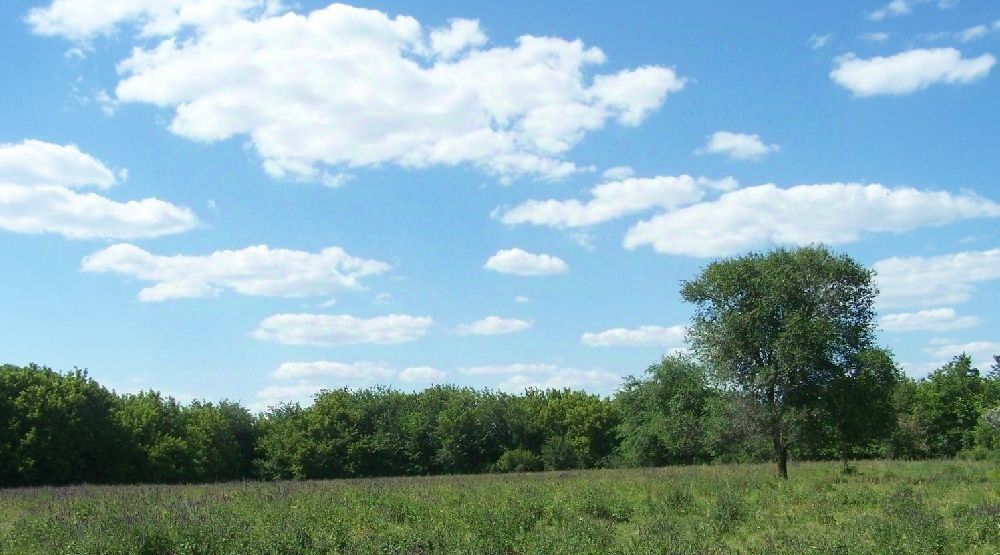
[(258, 199)]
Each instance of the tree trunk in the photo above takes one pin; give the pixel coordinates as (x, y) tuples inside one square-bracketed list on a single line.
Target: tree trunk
[(780, 452), (780, 449)]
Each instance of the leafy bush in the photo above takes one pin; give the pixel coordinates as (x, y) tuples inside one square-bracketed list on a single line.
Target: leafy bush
[(518, 460)]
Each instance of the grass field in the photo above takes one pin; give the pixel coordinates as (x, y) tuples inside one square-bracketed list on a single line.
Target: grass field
[(884, 507)]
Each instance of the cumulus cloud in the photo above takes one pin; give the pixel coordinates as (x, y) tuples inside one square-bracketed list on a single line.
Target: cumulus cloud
[(422, 374), (977, 32), (256, 271), (327, 330), (493, 325), (642, 336), (38, 183), (937, 319), (562, 378), (981, 352), (276, 394), (520, 376), (613, 200), (312, 377), (834, 213), (522, 263), (345, 87), (363, 370), (34, 163), (460, 35), (895, 8), (618, 173), (738, 146), (909, 71), (934, 280)]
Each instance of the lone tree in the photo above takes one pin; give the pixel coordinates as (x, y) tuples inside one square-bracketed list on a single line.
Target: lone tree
[(787, 328)]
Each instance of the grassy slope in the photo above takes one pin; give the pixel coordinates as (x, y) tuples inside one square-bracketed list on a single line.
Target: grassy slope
[(895, 507)]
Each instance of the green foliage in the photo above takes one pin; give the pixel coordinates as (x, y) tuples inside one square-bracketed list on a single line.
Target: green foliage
[(787, 328), (57, 429), (949, 405), (665, 415), (518, 460)]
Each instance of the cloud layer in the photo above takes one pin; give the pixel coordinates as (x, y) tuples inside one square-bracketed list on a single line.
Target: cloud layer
[(613, 200), (342, 329), (643, 336), (38, 183), (522, 263), (909, 71), (937, 319), (833, 213), (738, 146), (344, 87), (493, 325), (936, 280), (257, 271), (521, 376)]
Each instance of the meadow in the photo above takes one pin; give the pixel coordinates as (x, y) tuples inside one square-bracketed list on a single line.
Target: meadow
[(879, 508)]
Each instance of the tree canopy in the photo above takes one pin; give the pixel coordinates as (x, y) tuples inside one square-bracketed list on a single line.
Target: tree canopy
[(788, 327)]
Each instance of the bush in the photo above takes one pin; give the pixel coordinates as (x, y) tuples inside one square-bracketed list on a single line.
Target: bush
[(559, 453), (518, 460)]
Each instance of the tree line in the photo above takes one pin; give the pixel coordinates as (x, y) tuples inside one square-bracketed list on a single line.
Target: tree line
[(783, 364), (58, 428)]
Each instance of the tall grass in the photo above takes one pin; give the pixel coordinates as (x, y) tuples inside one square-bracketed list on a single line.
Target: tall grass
[(882, 508)]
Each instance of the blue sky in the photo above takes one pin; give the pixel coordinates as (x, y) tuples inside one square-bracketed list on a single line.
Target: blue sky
[(253, 200)]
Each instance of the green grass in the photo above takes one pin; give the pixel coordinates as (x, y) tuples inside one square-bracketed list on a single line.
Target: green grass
[(883, 508)]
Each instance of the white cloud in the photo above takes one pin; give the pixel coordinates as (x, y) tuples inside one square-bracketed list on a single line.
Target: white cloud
[(276, 394), (973, 33), (256, 271), (521, 299), (326, 330), (672, 336), (832, 213), (34, 163), (938, 319), (909, 71), (894, 8), (618, 173), (819, 41), (37, 182), (520, 376), (81, 20), (523, 263), (562, 378), (345, 87), (422, 374), (935, 280), (364, 370), (738, 146), (977, 32), (877, 36), (493, 325), (981, 352), (460, 35), (613, 200), (336, 374)]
